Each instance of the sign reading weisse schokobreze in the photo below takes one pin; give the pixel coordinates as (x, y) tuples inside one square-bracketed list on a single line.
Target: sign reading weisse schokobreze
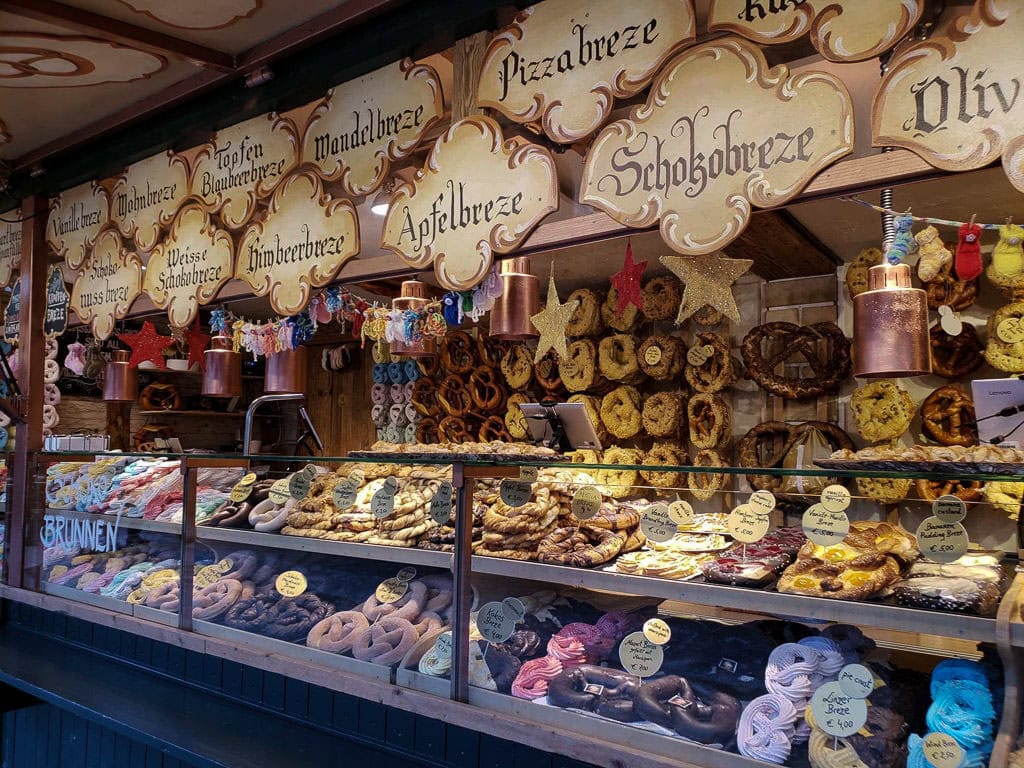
[(562, 62), (107, 284), (720, 132), (76, 217)]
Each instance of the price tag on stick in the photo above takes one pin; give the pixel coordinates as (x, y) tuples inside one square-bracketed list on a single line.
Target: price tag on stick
[(495, 623), (441, 504), (586, 502), (639, 656), (382, 503), (516, 493), (824, 527), (941, 541), (656, 523), (836, 713), (942, 750)]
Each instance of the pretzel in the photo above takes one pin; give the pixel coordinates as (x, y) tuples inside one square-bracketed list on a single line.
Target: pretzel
[(616, 356), (966, 490), (427, 431), (707, 717), (517, 366), (610, 315), (457, 352), (489, 350), (661, 298), (618, 483), (717, 372), (215, 599), (546, 373), (947, 416), (493, 428), (1007, 356), (955, 357), (337, 633), (579, 370), (662, 357), (608, 692), (160, 397), (454, 429), (386, 642), (710, 421), (581, 547), (586, 318), (1005, 496), (766, 445), (705, 485), (620, 412), (946, 289), (663, 414), (664, 455), (614, 516), (857, 270), (515, 421), (453, 396), (428, 365), (707, 316), (408, 606), (882, 409), (830, 365), (486, 389)]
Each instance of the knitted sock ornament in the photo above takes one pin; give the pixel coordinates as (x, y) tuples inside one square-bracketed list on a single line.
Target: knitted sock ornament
[(967, 262)]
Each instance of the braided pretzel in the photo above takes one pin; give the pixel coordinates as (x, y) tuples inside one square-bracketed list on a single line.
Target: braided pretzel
[(955, 357), (453, 396), (823, 346), (947, 289), (710, 420), (717, 372), (338, 633), (580, 547), (489, 350), (291, 618), (386, 642), (947, 416), (458, 352), (486, 390), (517, 366), (493, 428)]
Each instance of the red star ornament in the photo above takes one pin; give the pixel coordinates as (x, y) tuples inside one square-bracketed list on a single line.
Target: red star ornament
[(197, 344), (627, 282), (147, 344)]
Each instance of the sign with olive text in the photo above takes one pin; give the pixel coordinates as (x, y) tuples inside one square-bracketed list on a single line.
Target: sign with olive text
[(109, 282), (477, 194), (57, 301), (364, 125), (720, 132), (242, 164), (840, 30), (957, 99), (189, 266), (76, 217), (146, 197), (12, 314), (305, 239), (562, 62), (10, 248)]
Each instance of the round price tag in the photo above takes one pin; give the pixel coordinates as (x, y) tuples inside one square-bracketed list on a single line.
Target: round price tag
[(443, 646), (529, 474), (697, 356), (652, 355), (516, 493), (656, 523), (291, 583), (241, 492), (299, 485), (225, 564), (382, 503), (441, 504), (942, 750), (344, 495), (657, 631), (406, 574), (680, 512), (856, 681), (746, 525), (835, 498), (494, 623), (514, 607), (586, 502), (206, 576), (279, 493), (391, 590), (248, 478), (949, 509), (836, 713), (950, 321), (1010, 330), (824, 527), (942, 542), (762, 501), (639, 656)]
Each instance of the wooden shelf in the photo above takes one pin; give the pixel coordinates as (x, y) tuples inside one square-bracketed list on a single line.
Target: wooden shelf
[(124, 522), (214, 414)]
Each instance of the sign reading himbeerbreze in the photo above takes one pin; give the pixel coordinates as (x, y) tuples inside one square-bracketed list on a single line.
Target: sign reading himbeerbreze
[(841, 30), (189, 266), (720, 132), (146, 197), (476, 195), (242, 164), (305, 239), (76, 217), (109, 281), (957, 99), (562, 62), (364, 125), (10, 248)]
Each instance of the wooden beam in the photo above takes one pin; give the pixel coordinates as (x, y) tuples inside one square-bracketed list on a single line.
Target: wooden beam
[(117, 31)]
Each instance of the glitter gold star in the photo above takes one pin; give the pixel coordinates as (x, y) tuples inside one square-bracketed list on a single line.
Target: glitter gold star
[(551, 322), (707, 280)]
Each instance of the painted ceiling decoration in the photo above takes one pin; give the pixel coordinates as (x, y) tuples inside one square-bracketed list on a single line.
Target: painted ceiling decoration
[(196, 14), (38, 60)]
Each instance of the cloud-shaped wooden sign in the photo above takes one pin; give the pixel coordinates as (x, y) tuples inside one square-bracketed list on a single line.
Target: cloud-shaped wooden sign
[(957, 99), (840, 30), (562, 62), (77, 216), (10, 251), (109, 282), (477, 194), (146, 197), (720, 132), (305, 239)]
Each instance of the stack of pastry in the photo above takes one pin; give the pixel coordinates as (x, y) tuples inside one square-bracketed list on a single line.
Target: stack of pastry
[(514, 532)]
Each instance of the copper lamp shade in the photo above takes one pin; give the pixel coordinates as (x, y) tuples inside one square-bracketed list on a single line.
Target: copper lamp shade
[(414, 296), (120, 385), (286, 372), (519, 301), (222, 376), (890, 326)]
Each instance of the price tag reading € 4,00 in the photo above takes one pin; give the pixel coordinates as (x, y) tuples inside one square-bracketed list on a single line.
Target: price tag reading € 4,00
[(586, 502), (942, 750), (836, 713), (639, 656), (495, 623), (516, 493), (746, 524), (279, 493), (656, 523), (382, 503), (824, 527), (942, 542), (441, 504), (291, 583)]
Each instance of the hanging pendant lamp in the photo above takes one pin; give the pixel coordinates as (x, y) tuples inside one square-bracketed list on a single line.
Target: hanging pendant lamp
[(519, 301), (890, 326), (120, 384), (414, 296), (222, 376), (286, 372)]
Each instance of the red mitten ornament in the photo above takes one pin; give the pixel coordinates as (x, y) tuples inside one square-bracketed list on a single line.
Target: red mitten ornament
[(967, 262)]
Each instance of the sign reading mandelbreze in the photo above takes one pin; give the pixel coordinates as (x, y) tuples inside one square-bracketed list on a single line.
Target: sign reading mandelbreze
[(109, 281), (562, 62), (76, 217), (364, 125), (305, 239), (957, 99), (146, 197), (720, 132), (477, 194)]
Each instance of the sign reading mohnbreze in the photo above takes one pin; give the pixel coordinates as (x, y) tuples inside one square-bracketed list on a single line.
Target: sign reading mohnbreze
[(146, 197)]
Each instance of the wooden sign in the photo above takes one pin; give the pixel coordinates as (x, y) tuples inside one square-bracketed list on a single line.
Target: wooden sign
[(242, 164), (76, 217), (10, 248), (190, 266), (720, 132), (366, 124), (957, 99), (305, 239), (12, 314), (840, 30), (146, 197), (57, 301), (109, 281), (477, 194), (562, 62)]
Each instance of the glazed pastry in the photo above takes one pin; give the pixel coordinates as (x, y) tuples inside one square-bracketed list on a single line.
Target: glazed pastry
[(661, 298), (586, 319), (663, 414), (882, 409)]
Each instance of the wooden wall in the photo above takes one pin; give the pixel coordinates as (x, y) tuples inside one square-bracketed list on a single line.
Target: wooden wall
[(339, 401)]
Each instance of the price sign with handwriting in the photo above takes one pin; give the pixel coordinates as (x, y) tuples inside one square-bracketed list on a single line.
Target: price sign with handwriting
[(656, 523), (825, 527), (495, 623), (586, 502), (516, 493), (836, 713), (382, 503), (942, 542), (291, 583), (345, 494), (746, 524), (639, 656), (441, 504)]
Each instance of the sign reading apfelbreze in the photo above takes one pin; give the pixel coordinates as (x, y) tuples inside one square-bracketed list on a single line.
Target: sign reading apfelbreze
[(562, 62), (720, 132), (476, 195), (957, 99), (364, 125)]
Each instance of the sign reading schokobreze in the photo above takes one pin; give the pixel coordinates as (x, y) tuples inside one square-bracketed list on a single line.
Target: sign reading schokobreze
[(720, 132), (562, 63)]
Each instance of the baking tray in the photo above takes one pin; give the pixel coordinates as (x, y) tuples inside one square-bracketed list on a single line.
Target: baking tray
[(922, 467)]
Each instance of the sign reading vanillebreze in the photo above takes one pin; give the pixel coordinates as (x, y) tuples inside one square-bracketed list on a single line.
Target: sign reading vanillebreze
[(720, 133), (77, 216)]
